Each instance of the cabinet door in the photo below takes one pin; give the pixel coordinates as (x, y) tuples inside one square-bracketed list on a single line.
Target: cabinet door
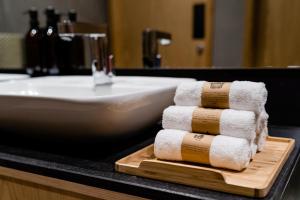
[(189, 47)]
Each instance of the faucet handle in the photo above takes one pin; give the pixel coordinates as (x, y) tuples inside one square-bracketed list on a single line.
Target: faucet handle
[(110, 65)]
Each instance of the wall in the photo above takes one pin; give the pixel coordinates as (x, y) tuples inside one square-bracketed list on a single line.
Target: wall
[(276, 40), (228, 35), (12, 18), (128, 19), (228, 32)]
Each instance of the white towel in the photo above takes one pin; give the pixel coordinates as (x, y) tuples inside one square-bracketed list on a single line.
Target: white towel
[(261, 139), (253, 147), (235, 123), (261, 130), (225, 152), (243, 95), (261, 121)]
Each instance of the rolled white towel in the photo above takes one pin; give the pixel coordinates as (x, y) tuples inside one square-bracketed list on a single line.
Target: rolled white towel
[(261, 139), (253, 147), (218, 151), (234, 123), (239, 95), (261, 133), (261, 121)]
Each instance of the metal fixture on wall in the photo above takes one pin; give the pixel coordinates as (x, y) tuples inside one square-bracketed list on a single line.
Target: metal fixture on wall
[(151, 40)]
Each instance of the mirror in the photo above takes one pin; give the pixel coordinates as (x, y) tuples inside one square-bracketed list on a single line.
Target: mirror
[(15, 24), (172, 33)]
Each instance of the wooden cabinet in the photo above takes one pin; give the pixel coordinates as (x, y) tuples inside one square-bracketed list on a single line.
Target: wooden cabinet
[(16, 184)]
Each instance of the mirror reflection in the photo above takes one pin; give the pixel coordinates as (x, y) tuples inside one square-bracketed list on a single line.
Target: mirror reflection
[(149, 34)]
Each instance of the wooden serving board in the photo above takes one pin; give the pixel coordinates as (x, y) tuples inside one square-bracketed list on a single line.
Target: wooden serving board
[(255, 181)]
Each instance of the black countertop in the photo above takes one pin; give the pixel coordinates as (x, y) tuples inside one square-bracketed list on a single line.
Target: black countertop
[(93, 164)]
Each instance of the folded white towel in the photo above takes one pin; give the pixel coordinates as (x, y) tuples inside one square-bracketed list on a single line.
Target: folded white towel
[(253, 147), (235, 123), (239, 95), (261, 139), (222, 151), (261, 121)]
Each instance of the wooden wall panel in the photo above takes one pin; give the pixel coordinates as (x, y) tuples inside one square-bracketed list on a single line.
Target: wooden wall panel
[(128, 18), (276, 32)]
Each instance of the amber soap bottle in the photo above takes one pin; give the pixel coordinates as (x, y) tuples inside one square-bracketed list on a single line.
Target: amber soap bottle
[(33, 45), (50, 43)]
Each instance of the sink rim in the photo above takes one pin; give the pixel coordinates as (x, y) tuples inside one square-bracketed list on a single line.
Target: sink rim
[(8, 77), (88, 99)]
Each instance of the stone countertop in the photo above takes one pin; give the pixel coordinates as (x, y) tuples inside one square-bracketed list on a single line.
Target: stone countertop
[(93, 164)]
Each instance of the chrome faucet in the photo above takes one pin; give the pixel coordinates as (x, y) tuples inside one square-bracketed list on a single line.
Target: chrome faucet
[(101, 63), (151, 40)]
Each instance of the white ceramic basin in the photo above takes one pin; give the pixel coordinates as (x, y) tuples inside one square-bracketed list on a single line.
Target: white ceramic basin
[(70, 105), (9, 77)]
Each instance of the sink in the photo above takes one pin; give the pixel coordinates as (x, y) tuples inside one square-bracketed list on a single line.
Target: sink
[(71, 106), (9, 77)]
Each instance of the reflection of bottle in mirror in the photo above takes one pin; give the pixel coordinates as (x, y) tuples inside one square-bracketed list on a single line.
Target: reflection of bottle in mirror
[(71, 47), (59, 47), (33, 45), (77, 48), (50, 42)]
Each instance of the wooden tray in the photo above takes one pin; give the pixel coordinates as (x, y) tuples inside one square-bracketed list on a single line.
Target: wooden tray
[(255, 181)]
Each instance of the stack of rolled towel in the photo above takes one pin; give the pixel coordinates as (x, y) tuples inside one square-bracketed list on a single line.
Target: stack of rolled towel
[(216, 123)]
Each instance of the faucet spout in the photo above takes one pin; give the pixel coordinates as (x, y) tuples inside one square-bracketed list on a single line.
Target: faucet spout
[(101, 68), (100, 61)]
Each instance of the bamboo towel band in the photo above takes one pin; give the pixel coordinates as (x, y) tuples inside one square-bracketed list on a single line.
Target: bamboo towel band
[(206, 120), (215, 94), (195, 147)]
